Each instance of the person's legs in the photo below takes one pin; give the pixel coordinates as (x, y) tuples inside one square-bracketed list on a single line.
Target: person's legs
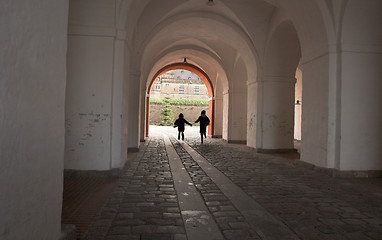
[(201, 137), (178, 135), (182, 135)]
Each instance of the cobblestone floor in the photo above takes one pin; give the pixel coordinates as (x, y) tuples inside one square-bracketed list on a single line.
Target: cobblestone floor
[(313, 205), (144, 205), (83, 198), (230, 221)]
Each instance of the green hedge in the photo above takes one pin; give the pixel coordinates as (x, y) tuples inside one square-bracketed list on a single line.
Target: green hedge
[(182, 101)]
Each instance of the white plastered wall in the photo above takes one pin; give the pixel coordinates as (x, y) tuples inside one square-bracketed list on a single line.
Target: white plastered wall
[(226, 115), (133, 110), (88, 103), (32, 98), (314, 112), (275, 123), (95, 88), (361, 86), (237, 125), (253, 112), (218, 107), (314, 35), (277, 115)]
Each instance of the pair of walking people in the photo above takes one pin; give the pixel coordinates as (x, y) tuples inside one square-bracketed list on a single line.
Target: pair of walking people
[(204, 122)]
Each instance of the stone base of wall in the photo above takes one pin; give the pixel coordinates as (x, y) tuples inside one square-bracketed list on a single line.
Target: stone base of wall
[(113, 173), (341, 174), (262, 150), (237, 141), (191, 113), (68, 232), (133, 149)]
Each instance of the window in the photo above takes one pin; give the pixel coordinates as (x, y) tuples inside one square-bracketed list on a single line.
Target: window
[(196, 90), (181, 89)]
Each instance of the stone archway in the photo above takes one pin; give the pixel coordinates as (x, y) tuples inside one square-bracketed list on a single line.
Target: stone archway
[(197, 71)]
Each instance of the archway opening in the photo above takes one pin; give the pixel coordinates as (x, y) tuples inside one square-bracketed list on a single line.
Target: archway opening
[(298, 110), (169, 81)]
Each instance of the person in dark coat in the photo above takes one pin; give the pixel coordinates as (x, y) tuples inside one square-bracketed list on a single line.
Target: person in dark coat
[(204, 122), (180, 124)]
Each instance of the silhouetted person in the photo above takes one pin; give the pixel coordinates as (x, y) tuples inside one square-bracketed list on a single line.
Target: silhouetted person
[(180, 124), (204, 122)]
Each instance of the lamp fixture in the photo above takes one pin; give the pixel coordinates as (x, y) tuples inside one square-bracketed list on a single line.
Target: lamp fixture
[(210, 2), (298, 102), (185, 60)]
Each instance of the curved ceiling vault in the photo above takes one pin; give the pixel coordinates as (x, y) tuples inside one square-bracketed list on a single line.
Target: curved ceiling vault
[(164, 32), (221, 41), (212, 38)]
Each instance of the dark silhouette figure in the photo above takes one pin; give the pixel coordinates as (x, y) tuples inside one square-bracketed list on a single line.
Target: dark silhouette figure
[(180, 124), (204, 122)]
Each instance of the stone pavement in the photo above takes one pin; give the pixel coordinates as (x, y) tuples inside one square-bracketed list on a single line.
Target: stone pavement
[(239, 194), (82, 200)]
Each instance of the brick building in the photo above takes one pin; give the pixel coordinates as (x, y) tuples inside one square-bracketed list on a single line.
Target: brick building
[(179, 84)]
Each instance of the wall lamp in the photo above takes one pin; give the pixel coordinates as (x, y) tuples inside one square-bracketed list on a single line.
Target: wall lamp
[(298, 102), (210, 2)]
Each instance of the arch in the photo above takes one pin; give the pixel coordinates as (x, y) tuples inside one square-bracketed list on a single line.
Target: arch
[(218, 33), (283, 51), (201, 57), (282, 55), (197, 71)]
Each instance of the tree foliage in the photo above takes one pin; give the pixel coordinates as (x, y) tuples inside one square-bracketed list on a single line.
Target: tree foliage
[(166, 112), (180, 101)]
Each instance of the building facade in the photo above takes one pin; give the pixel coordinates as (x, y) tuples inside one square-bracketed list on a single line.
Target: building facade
[(179, 84)]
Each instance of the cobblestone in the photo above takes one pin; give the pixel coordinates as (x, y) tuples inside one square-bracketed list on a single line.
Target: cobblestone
[(216, 201), (313, 205), (147, 207), (144, 205)]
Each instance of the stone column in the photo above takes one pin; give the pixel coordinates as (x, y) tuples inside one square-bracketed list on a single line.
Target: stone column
[(143, 105), (277, 116), (237, 124), (361, 115), (226, 115), (218, 111), (314, 124), (133, 123), (253, 114), (117, 156), (211, 114)]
